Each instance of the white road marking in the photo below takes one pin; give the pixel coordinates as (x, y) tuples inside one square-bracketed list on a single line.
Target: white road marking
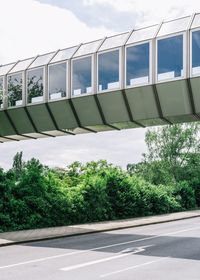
[(132, 267), (95, 249), (122, 254)]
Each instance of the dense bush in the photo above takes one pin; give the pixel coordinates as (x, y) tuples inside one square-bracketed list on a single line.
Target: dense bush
[(34, 196)]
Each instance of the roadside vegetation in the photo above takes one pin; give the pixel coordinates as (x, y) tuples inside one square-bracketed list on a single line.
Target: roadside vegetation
[(166, 180)]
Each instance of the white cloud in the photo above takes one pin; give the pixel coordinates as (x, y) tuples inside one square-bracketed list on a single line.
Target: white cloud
[(29, 28), (152, 11)]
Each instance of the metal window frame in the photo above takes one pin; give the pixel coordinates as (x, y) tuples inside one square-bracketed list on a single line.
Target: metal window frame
[(23, 90), (44, 85), (197, 29), (119, 49), (71, 75), (184, 56), (3, 95), (66, 62), (150, 63)]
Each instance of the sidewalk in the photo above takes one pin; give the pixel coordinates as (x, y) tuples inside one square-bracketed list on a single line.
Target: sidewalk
[(16, 237)]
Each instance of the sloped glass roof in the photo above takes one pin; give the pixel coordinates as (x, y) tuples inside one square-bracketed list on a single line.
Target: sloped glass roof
[(196, 21), (88, 48), (143, 34), (4, 69), (114, 41), (177, 25), (42, 60), (64, 54), (21, 65)]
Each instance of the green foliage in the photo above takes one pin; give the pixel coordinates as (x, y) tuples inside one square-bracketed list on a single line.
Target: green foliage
[(35, 196)]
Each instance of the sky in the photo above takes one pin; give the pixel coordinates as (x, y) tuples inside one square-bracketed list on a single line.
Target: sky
[(31, 27)]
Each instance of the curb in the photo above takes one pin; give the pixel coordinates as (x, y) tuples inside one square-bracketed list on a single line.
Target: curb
[(92, 231)]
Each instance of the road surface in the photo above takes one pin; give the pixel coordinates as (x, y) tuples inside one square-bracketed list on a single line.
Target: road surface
[(155, 252)]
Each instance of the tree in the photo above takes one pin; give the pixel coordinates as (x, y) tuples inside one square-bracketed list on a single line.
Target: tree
[(172, 146), (18, 163)]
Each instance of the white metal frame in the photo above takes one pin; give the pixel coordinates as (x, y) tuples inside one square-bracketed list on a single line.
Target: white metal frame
[(150, 63), (44, 85), (71, 75), (66, 82), (120, 70), (173, 35), (191, 54), (3, 92)]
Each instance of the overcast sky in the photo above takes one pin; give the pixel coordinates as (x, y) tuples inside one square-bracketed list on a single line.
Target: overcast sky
[(31, 27)]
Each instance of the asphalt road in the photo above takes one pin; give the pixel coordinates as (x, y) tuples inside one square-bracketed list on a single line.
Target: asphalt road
[(156, 252)]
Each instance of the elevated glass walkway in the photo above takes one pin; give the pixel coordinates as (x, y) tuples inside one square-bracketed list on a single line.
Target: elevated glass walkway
[(148, 76)]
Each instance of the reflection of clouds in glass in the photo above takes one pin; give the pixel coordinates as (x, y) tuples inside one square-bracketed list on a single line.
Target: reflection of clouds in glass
[(170, 55), (82, 71), (108, 69), (196, 49), (57, 78), (137, 62)]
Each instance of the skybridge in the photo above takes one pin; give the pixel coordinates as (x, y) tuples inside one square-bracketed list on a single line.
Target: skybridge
[(146, 77)]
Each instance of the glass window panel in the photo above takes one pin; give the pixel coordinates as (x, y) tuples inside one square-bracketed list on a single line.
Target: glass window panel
[(108, 70), (35, 85), (42, 60), (114, 41), (196, 53), (4, 69), (15, 90), (143, 34), (88, 48), (64, 54), (170, 58), (177, 25), (82, 76), (1, 92), (21, 65), (137, 65), (196, 21), (57, 81)]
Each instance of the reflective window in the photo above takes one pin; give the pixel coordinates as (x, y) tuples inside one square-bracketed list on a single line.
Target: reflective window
[(6, 68), (114, 41), (178, 25), (1, 92), (64, 54), (88, 48), (21, 65), (15, 90), (170, 58), (42, 60), (35, 87), (196, 21), (108, 70), (196, 53), (57, 80), (143, 34), (137, 64), (82, 76)]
